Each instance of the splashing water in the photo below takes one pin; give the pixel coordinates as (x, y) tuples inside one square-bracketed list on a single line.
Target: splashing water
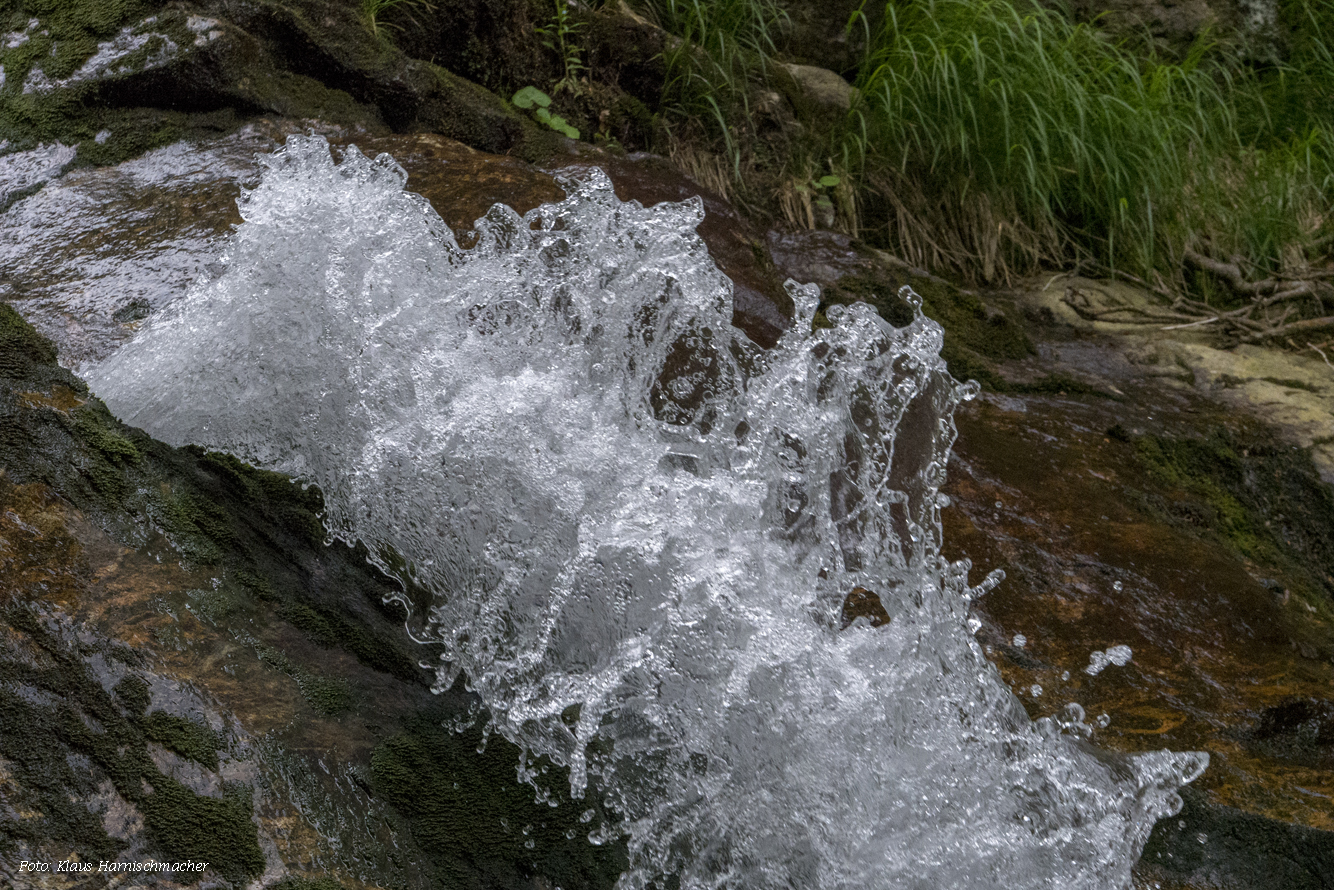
[(642, 531)]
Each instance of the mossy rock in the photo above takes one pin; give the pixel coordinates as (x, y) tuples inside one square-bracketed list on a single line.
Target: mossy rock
[(67, 733), (295, 883), (976, 338), (1261, 497), (217, 831), (191, 740), (481, 826), (21, 347), (1205, 841)]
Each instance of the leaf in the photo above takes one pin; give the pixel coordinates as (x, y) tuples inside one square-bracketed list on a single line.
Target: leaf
[(529, 97), (828, 182), (547, 117)]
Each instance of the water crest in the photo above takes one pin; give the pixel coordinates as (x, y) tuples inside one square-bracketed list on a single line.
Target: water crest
[(704, 576)]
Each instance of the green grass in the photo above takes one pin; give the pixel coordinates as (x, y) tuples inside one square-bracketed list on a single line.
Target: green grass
[(725, 49), (994, 137), (375, 11), (1002, 137)]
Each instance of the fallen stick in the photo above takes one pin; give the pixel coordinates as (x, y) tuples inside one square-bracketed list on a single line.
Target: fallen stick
[(1307, 324)]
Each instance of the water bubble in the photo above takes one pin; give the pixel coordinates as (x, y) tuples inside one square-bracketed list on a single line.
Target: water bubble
[(1020, 641), (1115, 655)]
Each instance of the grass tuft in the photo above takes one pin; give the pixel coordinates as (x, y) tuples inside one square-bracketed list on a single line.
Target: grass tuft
[(989, 138)]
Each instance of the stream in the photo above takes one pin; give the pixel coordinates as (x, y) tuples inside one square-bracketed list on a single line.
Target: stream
[(642, 531), (748, 598)]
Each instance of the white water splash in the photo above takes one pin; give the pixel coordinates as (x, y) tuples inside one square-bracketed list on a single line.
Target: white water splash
[(641, 530)]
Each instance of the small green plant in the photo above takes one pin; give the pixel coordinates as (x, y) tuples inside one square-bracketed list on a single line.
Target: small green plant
[(558, 36), (821, 191), (533, 99), (372, 10)]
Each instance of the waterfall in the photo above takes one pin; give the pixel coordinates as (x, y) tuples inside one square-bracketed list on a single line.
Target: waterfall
[(704, 576)]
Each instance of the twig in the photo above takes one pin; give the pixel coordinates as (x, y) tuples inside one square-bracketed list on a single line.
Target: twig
[(1157, 289), (1085, 311), (1308, 324), (1316, 348), (1193, 324)]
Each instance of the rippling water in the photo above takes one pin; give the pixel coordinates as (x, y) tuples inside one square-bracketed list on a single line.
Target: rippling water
[(649, 541)]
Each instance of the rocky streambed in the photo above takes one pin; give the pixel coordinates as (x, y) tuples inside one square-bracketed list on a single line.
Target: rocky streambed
[(190, 672)]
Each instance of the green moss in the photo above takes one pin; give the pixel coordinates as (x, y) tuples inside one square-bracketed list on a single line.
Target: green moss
[(187, 738), (1262, 498), (308, 621), (327, 696), (274, 658), (466, 809), (74, 27), (272, 495), (200, 529), (98, 430), (1055, 384), (133, 694), (218, 831), (255, 584), (217, 607), (975, 338), (65, 734), (21, 345)]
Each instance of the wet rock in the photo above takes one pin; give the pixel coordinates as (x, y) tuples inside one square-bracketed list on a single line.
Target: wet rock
[(460, 182), (1297, 716), (817, 32), (188, 68), (1212, 846), (187, 670), (862, 603), (97, 252), (1299, 730)]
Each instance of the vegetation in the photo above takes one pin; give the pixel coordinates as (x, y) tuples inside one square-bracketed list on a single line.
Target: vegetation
[(533, 99), (558, 35), (991, 138), (477, 825), (373, 11)]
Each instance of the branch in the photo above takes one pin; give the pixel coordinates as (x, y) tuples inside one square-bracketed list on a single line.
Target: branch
[(1296, 327), (1231, 273)]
